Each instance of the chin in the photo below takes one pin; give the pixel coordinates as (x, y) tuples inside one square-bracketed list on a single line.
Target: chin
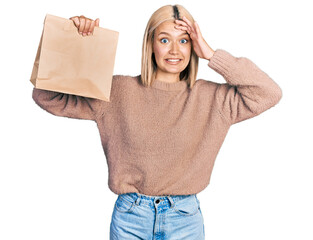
[(174, 69), (174, 72)]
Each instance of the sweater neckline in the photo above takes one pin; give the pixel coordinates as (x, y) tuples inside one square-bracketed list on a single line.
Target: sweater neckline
[(175, 86)]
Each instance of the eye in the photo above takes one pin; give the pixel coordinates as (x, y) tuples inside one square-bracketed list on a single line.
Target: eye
[(184, 41), (164, 40)]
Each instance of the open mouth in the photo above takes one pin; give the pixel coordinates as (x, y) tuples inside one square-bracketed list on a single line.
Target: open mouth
[(173, 60)]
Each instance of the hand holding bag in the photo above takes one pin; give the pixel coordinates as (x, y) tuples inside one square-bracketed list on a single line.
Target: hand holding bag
[(70, 63)]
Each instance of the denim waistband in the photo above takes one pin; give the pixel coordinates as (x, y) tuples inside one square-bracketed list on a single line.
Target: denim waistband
[(152, 200)]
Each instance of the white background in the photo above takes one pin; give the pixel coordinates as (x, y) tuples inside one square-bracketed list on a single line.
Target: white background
[(53, 172)]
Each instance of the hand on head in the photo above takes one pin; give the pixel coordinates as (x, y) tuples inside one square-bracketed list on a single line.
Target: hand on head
[(200, 46)]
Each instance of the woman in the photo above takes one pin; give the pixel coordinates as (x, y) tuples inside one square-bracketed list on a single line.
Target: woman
[(162, 130)]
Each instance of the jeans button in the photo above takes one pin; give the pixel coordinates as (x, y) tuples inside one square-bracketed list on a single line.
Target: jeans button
[(157, 201)]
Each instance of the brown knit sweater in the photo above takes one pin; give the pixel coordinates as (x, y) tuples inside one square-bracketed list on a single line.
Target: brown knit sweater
[(164, 139)]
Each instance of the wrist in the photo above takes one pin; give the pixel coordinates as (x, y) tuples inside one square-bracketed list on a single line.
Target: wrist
[(210, 54)]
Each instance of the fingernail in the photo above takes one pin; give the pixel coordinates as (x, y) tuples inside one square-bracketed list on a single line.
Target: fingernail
[(84, 34), (80, 32), (89, 33)]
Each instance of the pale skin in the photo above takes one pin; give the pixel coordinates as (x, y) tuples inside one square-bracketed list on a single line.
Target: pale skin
[(85, 25), (171, 45)]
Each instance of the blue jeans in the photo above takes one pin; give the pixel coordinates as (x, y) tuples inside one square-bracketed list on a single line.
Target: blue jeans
[(139, 216)]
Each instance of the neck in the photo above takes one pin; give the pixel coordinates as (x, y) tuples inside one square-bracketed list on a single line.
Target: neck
[(167, 77)]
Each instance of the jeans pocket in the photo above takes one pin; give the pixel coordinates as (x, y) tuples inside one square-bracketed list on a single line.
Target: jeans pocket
[(187, 207), (125, 203)]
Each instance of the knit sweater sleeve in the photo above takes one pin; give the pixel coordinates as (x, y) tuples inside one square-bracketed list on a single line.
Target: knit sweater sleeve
[(248, 92), (68, 105)]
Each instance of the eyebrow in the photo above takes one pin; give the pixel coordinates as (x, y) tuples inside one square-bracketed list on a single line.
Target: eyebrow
[(169, 34)]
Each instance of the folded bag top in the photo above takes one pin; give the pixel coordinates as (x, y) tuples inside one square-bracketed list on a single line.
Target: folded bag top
[(67, 62)]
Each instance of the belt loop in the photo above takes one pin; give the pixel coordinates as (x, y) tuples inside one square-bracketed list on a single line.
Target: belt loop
[(171, 201), (138, 199), (197, 200)]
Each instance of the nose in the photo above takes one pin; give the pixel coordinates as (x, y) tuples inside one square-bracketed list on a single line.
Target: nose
[(174, 48)]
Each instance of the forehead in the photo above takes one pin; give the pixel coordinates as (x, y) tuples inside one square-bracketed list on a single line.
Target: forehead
[(169, 27)]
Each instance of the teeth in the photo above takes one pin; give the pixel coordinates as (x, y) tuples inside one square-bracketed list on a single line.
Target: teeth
[(173, 60)]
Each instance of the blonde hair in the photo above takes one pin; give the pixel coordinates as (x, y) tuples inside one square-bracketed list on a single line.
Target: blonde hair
[(148, 63)]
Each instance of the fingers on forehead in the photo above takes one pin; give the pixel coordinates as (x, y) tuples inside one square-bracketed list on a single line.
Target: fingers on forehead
[(186, 20), (180, 21)]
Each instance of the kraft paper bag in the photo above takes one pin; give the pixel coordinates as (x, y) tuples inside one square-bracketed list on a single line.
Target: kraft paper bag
[(68, 62)]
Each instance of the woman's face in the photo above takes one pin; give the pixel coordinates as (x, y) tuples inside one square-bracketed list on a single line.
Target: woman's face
[(172, 48)]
